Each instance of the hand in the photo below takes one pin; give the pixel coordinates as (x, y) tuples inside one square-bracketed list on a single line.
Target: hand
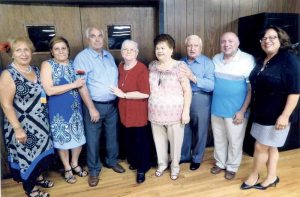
[(79, 82), (187, 72), (238, 118), (116, 91), (185, 118), (21, 136), (282, 122), (95, 115)]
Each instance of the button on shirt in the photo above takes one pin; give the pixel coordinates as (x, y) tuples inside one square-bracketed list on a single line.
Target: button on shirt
[(101, 73), (203, 68)]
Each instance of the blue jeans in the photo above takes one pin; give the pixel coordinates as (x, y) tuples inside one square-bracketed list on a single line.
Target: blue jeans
[(195, 133), (107, 124)]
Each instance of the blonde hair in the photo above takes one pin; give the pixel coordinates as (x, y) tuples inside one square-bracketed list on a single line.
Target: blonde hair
[(14, 42)]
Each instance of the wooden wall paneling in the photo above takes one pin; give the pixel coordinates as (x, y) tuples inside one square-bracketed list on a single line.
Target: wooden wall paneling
[(180, 27), (190, 12), (212, 27), (226, 16), (142, 19), (170, 16), (255, 7), (291, 6), (245, 8), (199, 19), (235, 14), (65, 18)]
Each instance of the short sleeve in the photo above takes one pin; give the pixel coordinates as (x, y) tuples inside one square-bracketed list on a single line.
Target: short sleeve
[(181, 76), (143, 80)]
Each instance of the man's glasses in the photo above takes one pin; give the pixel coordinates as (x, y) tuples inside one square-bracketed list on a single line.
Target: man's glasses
[(271, 38)]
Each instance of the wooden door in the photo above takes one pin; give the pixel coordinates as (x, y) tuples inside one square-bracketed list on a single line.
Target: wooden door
[(141, 19)]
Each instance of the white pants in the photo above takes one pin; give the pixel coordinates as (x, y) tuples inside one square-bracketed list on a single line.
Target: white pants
[(228, 142), (163, 134)]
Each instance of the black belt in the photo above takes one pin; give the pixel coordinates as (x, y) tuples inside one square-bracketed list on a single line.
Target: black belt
[(105, 102), (202, 92)]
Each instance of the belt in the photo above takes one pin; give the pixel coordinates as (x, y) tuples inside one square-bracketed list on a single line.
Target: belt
[(105, 102), (202, 92)]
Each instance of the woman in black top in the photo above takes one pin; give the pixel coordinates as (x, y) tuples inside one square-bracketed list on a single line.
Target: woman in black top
[(275, 83)]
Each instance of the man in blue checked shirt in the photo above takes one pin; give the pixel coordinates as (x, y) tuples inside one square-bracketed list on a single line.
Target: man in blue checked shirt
[(201, 76), (99, 110)]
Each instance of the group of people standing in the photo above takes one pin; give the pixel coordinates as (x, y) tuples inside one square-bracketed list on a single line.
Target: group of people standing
[(44, 110)]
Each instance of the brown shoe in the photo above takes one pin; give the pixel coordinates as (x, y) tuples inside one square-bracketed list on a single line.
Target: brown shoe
[(229, 175), (118, 168), (216, 170), (93, 181)]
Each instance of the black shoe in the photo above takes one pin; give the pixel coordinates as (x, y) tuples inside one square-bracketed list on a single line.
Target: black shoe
[(132, 168), (260, 187), (140, 177), (194, 166), (245, 186), (118, 168)]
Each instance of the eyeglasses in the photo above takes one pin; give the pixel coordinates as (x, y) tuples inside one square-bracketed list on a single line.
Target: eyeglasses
[(129, 50), (271, 38)]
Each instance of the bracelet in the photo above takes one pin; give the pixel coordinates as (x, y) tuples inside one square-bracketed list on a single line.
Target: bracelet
[(124, 95)]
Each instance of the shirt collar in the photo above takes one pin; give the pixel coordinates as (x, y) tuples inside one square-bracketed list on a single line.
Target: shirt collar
[(235, 58), (96, 54), (198, 59)]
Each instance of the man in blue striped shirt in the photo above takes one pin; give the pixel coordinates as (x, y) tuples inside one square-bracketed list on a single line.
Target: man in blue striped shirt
[(231, 98)]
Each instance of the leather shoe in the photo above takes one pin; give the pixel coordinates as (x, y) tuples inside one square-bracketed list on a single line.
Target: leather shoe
[(245, 186), (93, 181), (260, 187), (140, 177), (229, 175), (132, 168), (118, 168), (216, 170), (194, 166)]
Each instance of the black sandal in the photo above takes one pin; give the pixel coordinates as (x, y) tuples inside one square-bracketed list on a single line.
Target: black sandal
[(38, 193), (80, 172), (69, 177), (45, 183)]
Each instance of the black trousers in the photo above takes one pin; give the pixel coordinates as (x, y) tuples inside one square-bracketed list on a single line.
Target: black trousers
[(138, 141)]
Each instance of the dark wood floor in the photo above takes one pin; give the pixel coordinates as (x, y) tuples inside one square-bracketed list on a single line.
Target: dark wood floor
[(190, 183)]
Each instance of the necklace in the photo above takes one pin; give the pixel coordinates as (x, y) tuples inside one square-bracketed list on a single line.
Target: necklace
[(123, 83), (27, 70)]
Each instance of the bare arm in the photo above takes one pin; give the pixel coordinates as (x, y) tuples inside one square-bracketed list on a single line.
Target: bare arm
[(239, 116), (47, 81), (283, 119), (187, 96), (7, 94), (128, 95), (85, 95)]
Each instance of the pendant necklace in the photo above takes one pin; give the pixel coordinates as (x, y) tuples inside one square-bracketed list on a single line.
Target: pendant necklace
[(123, 83)]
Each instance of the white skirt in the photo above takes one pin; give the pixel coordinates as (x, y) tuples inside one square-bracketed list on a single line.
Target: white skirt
[(268, 135)]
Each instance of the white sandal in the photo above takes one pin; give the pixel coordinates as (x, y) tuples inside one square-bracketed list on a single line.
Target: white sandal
[(159, 173)]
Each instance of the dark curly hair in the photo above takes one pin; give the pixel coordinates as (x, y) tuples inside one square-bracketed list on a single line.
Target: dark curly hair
[(284, 38), (165, 38)]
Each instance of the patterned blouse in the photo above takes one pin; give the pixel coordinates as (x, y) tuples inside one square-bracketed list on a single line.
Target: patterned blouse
[(165, 104)]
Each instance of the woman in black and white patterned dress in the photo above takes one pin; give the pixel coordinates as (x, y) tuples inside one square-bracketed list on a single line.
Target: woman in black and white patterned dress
[(26, 126)]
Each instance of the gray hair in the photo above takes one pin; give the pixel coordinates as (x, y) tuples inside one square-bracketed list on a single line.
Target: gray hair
[(89, 29), (130, 42), (193, 37)]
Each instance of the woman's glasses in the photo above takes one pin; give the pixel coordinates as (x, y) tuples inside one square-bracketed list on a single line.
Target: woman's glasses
[(271, 38)]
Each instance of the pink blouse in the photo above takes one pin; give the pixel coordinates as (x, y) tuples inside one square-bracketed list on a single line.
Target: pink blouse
[(165, 104)]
